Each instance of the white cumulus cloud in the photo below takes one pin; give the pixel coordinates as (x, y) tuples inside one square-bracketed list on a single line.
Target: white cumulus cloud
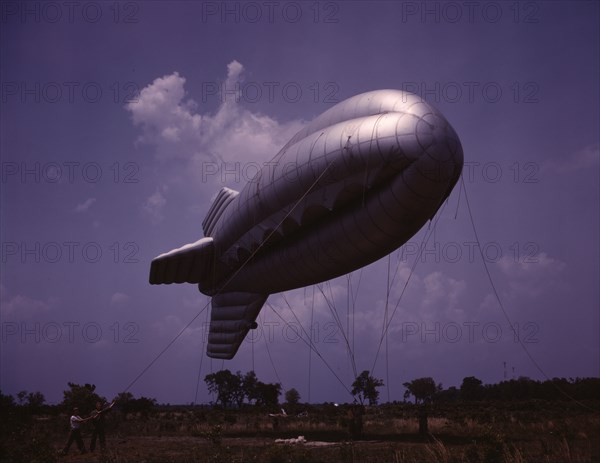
[(154, 206), (533, 276), (22, 306), (586, 158), (84, 206), (119, 298), (202, 152), (170, 121)]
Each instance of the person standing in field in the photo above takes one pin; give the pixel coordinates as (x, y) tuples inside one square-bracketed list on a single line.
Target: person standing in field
[(75, 433), (97, 417)]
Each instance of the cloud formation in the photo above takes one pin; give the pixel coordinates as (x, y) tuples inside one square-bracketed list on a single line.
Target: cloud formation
[(23, 307), (211, 149), (532, 278), (169, 120), (84, 206), (119, 299), (586, 158), (154, 206)]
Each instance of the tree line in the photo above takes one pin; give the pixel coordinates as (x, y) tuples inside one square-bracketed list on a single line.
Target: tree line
[(237, 389), (82, 396), (522, 388)]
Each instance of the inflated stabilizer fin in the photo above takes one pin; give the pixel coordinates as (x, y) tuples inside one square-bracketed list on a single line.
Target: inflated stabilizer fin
[(218, 206), (192, 263), (233, 315)]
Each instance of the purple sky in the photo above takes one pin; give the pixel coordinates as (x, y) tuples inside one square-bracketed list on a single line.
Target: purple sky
[(94, 186)]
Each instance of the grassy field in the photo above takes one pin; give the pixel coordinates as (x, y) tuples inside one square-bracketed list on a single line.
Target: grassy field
[(468, 432)]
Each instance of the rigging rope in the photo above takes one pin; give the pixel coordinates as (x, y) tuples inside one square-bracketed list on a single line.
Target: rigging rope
[(424, 242), (272, 363), (310, 344), (349, 350), (232, 276), (165, 349), (354, 298), (340, 327), (312, 313), (204, 337), (387, 299), (505, 313)]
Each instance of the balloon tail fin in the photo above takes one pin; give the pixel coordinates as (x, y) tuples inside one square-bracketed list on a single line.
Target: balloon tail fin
[(233, 315), (192, 263)]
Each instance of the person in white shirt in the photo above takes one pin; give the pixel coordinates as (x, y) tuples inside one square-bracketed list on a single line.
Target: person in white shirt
[(75, 434)]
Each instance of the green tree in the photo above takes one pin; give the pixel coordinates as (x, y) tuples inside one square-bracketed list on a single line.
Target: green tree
[(423, 389), (365, 387), (21, 396), (292, 397), (239, 393), (143, 405), (471, 388), (452, 394), (127, 403), (83, 397), (123, 399), (267, 393), (249, 383), (6, 401), (226, 385), (35, 400)]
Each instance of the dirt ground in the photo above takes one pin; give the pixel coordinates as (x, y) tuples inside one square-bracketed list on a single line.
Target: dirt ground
[(246, 449), (142, 449)]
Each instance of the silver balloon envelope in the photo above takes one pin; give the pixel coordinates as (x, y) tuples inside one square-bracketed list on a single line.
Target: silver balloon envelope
[(352, 186)]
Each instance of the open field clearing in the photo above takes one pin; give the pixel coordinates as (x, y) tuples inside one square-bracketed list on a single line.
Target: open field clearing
[(473, 433)]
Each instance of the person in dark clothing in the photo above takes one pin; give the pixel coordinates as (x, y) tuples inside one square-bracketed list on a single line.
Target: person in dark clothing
[(75, 434), (97, 418)]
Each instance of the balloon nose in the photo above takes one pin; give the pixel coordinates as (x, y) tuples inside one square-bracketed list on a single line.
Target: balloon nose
[(440, 145)]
